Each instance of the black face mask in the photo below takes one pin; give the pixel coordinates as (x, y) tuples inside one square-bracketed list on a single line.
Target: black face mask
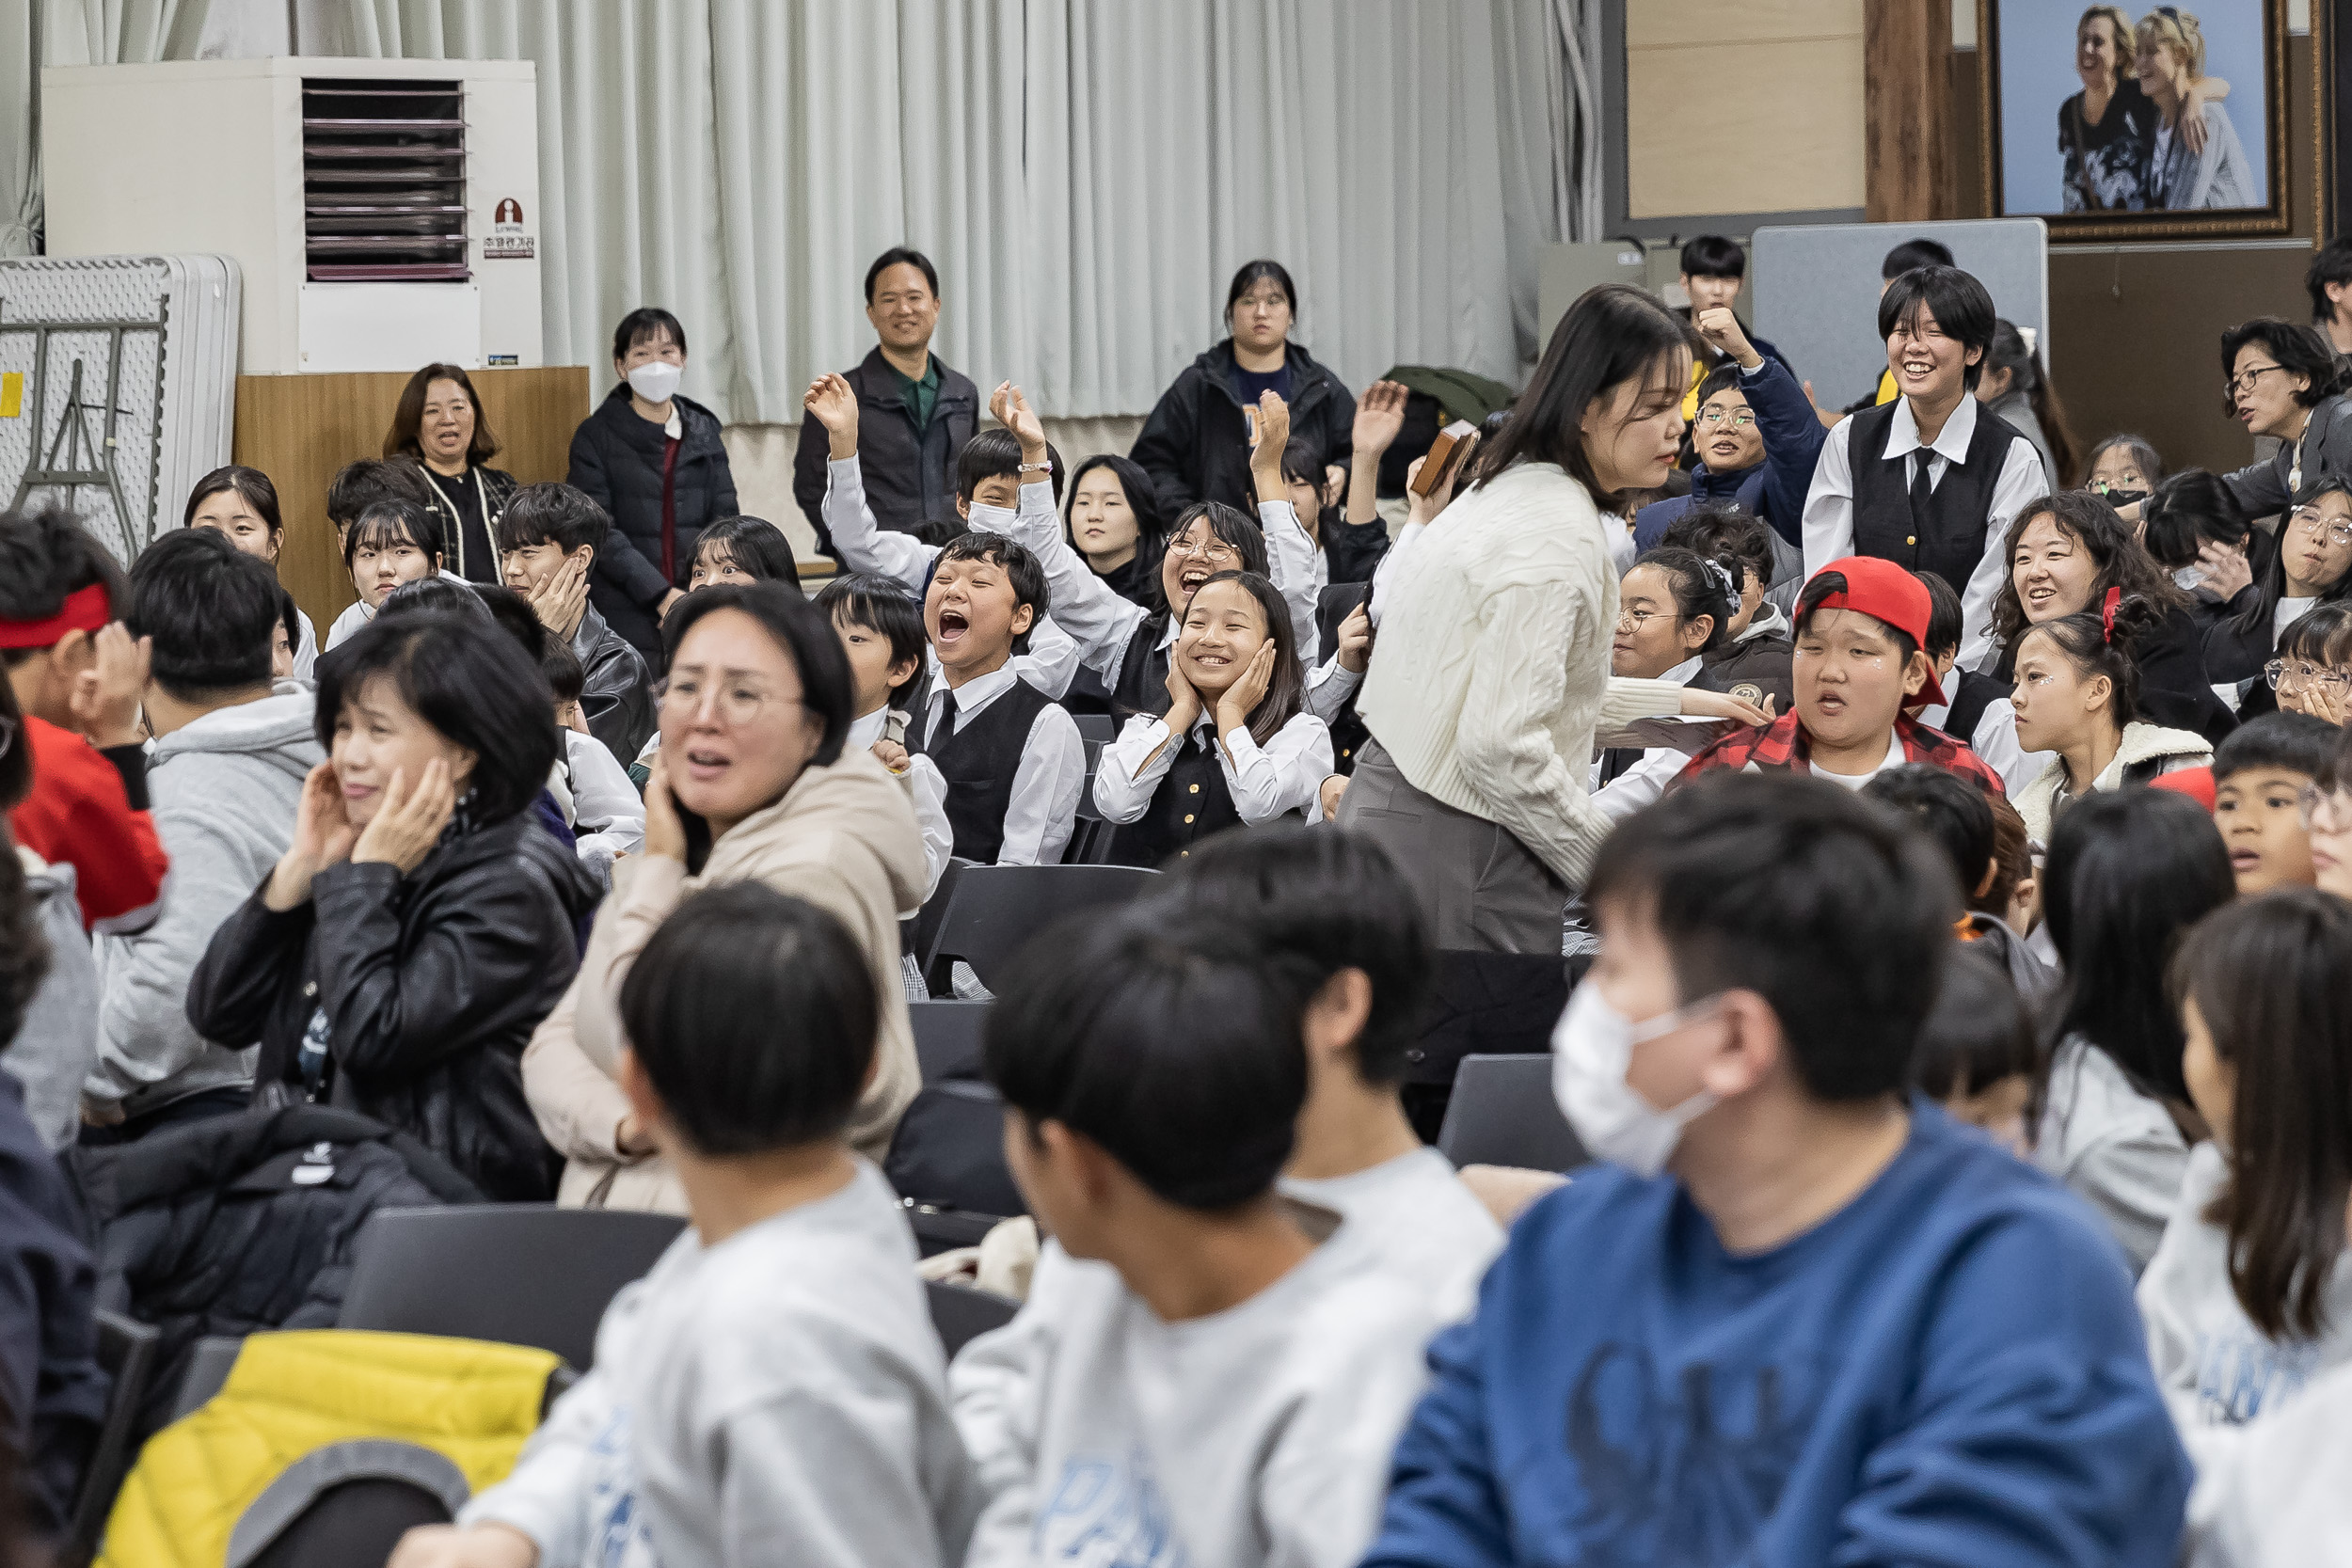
[(2122, 498)]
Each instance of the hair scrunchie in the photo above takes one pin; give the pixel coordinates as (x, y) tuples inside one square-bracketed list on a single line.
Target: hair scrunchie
[(2106, 614)]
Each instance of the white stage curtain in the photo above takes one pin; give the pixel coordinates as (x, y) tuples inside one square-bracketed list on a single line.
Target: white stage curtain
[(35, 33), (1087, 174)]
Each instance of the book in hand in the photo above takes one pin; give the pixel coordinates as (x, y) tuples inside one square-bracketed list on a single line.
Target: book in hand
[(1447, 455)]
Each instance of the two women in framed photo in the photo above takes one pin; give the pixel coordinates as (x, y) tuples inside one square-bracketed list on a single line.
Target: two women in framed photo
[(2149, 131)]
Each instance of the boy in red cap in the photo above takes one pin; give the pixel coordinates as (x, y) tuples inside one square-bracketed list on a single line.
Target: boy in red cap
[(1860, 670), (77, 675)]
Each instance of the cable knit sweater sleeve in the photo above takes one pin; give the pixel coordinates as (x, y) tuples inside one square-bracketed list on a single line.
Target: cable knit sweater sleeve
[(1492, 671)]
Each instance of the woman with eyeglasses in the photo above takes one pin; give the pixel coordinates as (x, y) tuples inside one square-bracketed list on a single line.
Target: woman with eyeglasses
[(2283, 380), (754, 781)]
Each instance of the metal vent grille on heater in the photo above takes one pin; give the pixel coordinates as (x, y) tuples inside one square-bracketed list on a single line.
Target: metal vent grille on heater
[(384, 181)]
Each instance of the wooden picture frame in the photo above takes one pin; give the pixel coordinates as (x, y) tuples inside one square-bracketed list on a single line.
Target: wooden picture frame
[(2275, 216)]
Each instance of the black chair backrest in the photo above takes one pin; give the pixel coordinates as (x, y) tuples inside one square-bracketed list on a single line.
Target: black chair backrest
[(1487, 1005), (517, 1274), (1502, 1114), (1334, 604), (997, 908), (1099, 728), (947, 1038), (948, 1150), (962, 1314), (921, 934), (127, 1348)]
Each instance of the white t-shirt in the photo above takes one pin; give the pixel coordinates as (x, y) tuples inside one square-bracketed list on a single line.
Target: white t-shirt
[(1417, 1222), (2288, 612), (1894, 758), (2116, 1148)]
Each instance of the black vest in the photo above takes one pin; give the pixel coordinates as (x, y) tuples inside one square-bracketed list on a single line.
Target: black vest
[(1971, 695), (1191, 803), (1950, 540), (1143, 671), (978, 762)]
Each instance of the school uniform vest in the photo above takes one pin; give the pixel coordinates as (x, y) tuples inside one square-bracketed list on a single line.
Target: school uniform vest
[(1191, 803), (1143, 671), (1970, 698), (978, 762), (1947, 534)]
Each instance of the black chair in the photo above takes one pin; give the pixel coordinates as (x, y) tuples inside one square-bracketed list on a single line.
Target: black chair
[(1100, 729), (948, 1151), (1502, 1114), (518, 1274), (947, 1038), (127, 1350), (962, 1314), (1481, 1005), (997, 908), (209, 1365), (919, 935)]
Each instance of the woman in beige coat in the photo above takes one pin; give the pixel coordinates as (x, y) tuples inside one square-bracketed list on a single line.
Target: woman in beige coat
[(750, 783)]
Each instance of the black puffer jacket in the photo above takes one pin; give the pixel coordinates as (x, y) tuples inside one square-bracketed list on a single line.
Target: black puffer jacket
[(431, 985), (237, 1223), (1196, 444), (616, 458)]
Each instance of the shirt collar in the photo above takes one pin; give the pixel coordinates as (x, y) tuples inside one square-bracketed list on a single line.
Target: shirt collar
[(1951, 442), (1681, 674), (1168, 637), (977, 693), (865, 732)]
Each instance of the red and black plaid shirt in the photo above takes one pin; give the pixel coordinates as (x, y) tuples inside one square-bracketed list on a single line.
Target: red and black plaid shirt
[(1782, 745)]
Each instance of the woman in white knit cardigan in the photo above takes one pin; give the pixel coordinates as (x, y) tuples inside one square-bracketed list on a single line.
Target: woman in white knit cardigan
[(1491, 671)]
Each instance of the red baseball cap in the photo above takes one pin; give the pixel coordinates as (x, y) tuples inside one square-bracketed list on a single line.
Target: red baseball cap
[(2195, 782), (1889, 593)]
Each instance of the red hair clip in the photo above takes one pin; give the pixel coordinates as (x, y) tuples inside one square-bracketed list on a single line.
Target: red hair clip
[(2106, 614)]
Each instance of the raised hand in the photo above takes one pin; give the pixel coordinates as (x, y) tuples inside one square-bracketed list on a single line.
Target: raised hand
[(2226, 571), (410, 823), (1354, 649), (1379, 415), (1025, 425), (1273, 432), (834, 403), (105, 701), (1719, 327), (665, 829)]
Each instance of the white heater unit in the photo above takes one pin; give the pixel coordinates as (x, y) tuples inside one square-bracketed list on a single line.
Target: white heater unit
[(384, 213)]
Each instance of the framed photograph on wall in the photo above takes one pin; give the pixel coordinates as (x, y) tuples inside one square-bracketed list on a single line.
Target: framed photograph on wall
[(2127, 122)]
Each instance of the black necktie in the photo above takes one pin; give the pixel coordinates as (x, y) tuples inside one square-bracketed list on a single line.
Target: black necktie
[(1920, 495), (943, 730)]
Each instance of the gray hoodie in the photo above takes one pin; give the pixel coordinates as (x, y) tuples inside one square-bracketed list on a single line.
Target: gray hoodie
[(224, 789)]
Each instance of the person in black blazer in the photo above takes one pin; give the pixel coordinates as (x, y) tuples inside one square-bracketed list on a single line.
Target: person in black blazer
[(654, 461), (914, 414)]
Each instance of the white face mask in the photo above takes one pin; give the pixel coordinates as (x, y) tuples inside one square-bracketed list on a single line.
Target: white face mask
[(992, 519), (654, 380), (1590, 1051)]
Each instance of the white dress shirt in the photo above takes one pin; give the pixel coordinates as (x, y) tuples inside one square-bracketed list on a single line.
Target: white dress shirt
[(1046, 785), (1284, 775), (925, 789), (608, 814), (1829, 507), (1995, 744), (1297, 570), (1648, 778)]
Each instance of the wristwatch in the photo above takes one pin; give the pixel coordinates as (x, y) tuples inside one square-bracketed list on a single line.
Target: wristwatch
[(1046, 468)]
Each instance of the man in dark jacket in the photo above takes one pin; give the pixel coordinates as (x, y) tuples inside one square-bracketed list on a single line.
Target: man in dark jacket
[(654, 461), (1196, 444), (52, 1394), (914, 414), (549, 538)]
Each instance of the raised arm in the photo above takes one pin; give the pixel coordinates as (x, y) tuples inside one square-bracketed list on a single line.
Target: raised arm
[(1288, 549), (860, 543)]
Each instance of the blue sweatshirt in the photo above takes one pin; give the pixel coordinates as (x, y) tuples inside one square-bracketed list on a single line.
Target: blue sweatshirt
[(1773, 489), (1949, 1370)]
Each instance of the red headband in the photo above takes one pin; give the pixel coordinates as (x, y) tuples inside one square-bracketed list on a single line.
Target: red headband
[(2106, 614), (85, 610)]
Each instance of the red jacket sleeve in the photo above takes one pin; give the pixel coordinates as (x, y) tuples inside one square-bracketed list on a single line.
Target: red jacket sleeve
[(78, 814)]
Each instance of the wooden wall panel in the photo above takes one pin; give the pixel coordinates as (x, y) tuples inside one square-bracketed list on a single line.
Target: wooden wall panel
[(1744, 105), (1908, 111), (300, 429)]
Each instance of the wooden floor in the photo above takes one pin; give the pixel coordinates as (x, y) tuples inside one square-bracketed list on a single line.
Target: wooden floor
[(300, 429)]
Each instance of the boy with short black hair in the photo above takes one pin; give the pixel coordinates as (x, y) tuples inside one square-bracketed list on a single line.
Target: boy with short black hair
[(1192, 1379), (1333, 902), (1961, 818), (549, 539), (1931, 481), (1860, 667), (881, 627), (2260, 774), (224, 776), (1009, 759), (772, 1391), (590, 790), (1832, 1325), (361, 484), (1753, 661)]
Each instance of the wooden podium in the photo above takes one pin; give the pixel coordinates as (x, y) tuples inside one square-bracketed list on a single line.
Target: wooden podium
[(300, 429)]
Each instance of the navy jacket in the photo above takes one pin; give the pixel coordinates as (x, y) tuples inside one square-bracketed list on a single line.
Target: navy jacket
[(616, 458), (1947, 1370), (1196, 444), (1793, 438), (52, 1393)]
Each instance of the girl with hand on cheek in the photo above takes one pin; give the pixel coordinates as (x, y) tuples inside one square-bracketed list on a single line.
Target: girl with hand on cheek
[(1235, 746), (421, 923)]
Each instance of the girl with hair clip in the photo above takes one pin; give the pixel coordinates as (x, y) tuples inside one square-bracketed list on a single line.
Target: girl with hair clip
[(1114, 521), (1235, 746), (2249, 1295), (1674, 609), (2015, 389), (2065, 552), (742, 549), (2077, 696), (2128, 873)]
